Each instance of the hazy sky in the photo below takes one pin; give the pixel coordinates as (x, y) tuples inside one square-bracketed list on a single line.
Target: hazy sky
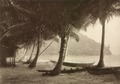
[(112, 36)]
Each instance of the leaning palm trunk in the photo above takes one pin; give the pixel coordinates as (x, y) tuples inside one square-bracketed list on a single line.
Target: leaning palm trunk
[(101, 61), (3, 62), (29, 60), (39, 44), (63, 48), (23, 55), (68, 36)]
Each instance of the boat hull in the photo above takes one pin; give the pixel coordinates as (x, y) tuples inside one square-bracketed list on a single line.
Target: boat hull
[(101, 71), (74, 64)]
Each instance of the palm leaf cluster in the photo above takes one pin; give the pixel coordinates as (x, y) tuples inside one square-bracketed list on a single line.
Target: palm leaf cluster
[(47, 13)]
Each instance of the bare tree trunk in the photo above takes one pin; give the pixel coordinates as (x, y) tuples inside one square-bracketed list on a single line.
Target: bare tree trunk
[(29, 60), (63, 48), (101, 61), (39, 44)]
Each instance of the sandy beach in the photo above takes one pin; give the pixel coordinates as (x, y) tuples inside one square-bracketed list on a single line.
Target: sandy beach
[(23, 75)]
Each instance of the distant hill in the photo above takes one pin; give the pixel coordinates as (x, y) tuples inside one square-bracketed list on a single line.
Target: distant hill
[(85, 46)]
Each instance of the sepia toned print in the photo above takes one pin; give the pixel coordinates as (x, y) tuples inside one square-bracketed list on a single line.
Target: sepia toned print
[(59, 41)]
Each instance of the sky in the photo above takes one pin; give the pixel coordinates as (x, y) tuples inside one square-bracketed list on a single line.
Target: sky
[(112, 36)]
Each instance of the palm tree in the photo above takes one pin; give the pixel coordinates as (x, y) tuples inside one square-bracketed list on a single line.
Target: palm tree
[(59, 17), (101, 61), (39, 44), (23, 55), (23, 36), (72, 17), (29, 60), (34, 62), (102, 10)]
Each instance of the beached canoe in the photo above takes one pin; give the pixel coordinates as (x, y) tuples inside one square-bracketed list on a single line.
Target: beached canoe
[(117, 73), (101, 71), (74, 64), (65, 70)]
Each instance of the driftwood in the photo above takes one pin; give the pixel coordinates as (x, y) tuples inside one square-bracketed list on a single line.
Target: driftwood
[(101, 71), (64, 70), (74, 64)]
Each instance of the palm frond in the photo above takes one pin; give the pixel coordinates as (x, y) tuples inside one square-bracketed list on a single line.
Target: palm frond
[(17, 26), (75, 36)]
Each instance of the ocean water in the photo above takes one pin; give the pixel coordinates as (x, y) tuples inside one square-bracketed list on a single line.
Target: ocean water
[(109, 60)]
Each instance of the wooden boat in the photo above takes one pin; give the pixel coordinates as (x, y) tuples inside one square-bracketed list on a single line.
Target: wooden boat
[(101, 71), (44, 70), (74, 64), (65, 70), (72, 70)]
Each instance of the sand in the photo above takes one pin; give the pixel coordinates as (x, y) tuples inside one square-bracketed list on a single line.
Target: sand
[(22, 75)]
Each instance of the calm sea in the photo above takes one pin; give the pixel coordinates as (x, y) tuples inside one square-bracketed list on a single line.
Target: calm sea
[(109, 60)]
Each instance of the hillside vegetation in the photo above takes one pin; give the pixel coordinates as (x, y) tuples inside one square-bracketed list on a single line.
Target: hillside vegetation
[(85, 46)]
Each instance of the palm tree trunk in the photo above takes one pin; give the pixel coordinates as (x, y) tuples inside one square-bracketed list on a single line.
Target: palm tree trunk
[(68, 36), (63, 48), (3, 61), (29, 60), (23, 55), (33, 63), (101, 61)]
